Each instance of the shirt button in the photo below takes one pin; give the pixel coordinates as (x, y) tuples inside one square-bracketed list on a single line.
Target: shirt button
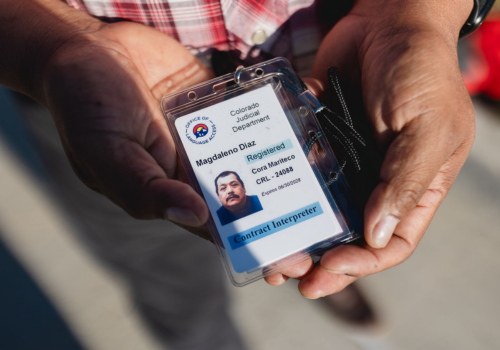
[(259, 37)]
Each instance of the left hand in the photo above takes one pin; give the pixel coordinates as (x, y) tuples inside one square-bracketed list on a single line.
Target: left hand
[(401, 57), (102, 89)]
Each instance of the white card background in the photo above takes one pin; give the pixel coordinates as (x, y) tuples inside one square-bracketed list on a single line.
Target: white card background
[(274, 129)]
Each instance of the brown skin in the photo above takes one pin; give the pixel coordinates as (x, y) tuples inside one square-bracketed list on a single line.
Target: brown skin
[(116, 138), (102, 84), (232, 194), (405, 64)]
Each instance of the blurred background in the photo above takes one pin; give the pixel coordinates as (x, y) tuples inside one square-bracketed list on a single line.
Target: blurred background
[(55, 295)]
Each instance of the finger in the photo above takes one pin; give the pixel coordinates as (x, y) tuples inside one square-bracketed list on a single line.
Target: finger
[(191, 74), (297, 271), (359, 261), (321, 282), (276, 279), (356, 261), (158, 141), (153, 48), (410, 165), (127, 174), (343, 265), (170, 199), (137, 175)]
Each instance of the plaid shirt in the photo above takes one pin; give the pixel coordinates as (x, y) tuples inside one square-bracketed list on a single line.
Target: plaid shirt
[(287, 28)]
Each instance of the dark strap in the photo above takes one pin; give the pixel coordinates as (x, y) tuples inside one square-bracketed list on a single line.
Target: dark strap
[(477, 16), (354, 148), (352, 142)]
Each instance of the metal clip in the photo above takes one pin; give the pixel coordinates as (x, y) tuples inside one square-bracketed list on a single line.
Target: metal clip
[(309, 99), (237, 74)]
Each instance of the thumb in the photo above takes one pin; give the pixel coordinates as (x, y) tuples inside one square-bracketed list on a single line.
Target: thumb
[(132, 179), (412, 161)]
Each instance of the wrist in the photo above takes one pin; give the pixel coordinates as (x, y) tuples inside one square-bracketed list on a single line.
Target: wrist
[(442, 18)]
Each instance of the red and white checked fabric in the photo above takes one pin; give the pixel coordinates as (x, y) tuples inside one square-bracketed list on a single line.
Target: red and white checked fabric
[(291, 26)]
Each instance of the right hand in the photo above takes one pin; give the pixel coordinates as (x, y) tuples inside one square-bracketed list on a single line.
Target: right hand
[(102, 89), (400, 57)]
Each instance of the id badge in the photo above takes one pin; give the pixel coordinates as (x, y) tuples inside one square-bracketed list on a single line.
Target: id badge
[(252, 147)]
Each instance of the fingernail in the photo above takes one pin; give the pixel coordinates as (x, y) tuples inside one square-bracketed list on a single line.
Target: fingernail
[(383, 231), (182, 216)]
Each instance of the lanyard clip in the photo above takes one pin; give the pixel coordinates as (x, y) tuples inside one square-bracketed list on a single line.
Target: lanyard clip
[(309, 99), (241, 75)]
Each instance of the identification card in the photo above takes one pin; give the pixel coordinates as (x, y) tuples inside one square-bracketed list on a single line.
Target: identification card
[(246, 156), (263, 195)]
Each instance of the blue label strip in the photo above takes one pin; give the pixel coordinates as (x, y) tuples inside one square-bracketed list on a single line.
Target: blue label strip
[(268, 228), (268, 151)]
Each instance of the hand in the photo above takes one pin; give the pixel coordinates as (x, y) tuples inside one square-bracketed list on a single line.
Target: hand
[(405, 64), (103, 89)]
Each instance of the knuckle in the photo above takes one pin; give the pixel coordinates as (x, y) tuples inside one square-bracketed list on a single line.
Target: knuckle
[(409, 194), (409, 246)]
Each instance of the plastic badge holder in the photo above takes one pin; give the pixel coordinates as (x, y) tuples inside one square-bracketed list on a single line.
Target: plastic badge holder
[(257, 127)]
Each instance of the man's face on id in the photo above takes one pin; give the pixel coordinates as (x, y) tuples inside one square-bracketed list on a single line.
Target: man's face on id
[(232, 194)]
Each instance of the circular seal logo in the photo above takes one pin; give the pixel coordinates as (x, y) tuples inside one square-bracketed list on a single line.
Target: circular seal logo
[(200, 130)]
